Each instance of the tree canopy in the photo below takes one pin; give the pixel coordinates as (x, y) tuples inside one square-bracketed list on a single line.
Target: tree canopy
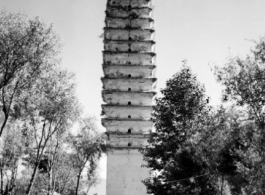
[(180, 116), (198, 149), (38, 108)]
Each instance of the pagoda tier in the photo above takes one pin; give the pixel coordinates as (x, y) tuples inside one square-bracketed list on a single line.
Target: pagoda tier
[(125, 71), (129, 112), (130, 46), (134, 141), (129, 34), (125, 126), (119, 12), (129, 84), (130, 58), (142, 23), (128, 98)]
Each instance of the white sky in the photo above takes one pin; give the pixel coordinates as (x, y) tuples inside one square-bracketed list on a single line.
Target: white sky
[(202, 31)]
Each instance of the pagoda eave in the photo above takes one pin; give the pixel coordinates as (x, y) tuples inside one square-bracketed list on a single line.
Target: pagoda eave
[(120, 12), (132, 3)]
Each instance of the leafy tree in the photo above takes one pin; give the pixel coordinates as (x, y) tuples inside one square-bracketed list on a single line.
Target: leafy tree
[(243, 79), (50, 162), (87, 148), (38, 98), (56, 175), (10, 157), (180, 117), (51, 109), (229, 145), (26, 47)]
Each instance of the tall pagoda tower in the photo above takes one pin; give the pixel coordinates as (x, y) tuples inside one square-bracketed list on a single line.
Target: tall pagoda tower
[(128, 91)]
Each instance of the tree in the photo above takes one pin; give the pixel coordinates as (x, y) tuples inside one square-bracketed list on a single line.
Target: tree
[(229, 144), (56, 174), (26, 47), (51, 109), (86, 149), (10, 157), (244, 82), (180, 117), (39, 98)]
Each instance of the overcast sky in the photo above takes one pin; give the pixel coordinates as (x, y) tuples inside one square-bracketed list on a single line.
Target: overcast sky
[(201, 31)]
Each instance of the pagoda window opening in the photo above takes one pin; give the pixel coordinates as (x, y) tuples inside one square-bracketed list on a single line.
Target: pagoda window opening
[(129, 144), (129, 116), (129, 76), (130, 38), (129, 103), (130, 50), (129, 131), (129, 89)]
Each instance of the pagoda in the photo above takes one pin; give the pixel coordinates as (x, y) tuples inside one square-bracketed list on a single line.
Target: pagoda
[(128, 92)]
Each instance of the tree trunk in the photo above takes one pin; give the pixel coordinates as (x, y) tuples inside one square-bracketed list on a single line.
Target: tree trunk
[(13, 182), (50, 182), (78, 181), (37, 163), (32, 179), (2, 181), (222, 185), (3, 124)]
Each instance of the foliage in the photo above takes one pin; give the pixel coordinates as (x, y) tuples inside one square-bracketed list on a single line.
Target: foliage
[(50, 111), (10, 157), (86, 149), (243, 80), (196, 149), (180, 117), (61, 178), (26, 48), (24, 44), (38, 109)]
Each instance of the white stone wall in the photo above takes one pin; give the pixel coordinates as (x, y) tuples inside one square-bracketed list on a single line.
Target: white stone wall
[(125, 173)]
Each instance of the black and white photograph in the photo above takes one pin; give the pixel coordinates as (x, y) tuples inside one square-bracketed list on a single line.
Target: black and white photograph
[(132, 97)]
